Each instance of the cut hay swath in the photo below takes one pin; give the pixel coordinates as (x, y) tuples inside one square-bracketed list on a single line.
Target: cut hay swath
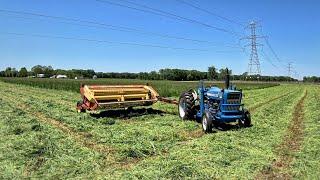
[(149, 143)]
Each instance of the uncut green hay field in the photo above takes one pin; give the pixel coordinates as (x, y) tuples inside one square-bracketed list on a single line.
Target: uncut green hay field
[(165, 88), (42, 136)]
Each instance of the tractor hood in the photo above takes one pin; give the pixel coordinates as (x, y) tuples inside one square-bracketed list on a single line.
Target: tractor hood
[(216, 92)]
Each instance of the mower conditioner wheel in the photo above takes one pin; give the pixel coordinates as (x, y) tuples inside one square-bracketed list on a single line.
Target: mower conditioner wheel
[(79, 108), (186, 105)]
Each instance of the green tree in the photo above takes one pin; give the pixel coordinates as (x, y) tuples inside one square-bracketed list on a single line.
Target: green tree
[(223, 73), (153, 75), (8, 72), (38, 69), (23, 72), (48, 70), (244, 76), (212, 73)]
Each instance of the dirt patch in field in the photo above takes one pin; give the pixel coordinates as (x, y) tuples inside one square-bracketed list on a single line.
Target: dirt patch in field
[(291, 143)]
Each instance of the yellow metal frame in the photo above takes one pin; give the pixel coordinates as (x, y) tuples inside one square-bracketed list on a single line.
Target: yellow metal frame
[(120, 95)]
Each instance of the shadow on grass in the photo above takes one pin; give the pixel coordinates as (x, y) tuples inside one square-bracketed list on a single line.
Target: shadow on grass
[(229, 127), (128, 113)]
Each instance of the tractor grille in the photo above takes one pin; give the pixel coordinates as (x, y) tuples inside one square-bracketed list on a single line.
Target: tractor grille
[(233, 98), (231, 108)]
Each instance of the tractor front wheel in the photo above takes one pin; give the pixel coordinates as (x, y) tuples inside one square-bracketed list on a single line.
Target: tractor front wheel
[(207, 123), (246, 119), (186, 106)]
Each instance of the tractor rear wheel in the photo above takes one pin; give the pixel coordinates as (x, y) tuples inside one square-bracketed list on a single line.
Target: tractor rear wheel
[(246, 120), (207, 123), (186, 105)]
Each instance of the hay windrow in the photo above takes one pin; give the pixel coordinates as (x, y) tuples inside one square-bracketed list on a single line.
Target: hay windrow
[(290, 144)]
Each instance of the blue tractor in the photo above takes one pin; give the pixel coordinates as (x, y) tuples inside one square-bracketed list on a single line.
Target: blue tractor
[(213, 106)]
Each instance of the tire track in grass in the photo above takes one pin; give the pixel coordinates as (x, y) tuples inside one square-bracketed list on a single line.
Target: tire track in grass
[(37, 159), (82, 138), (290, 144), (254, 108)]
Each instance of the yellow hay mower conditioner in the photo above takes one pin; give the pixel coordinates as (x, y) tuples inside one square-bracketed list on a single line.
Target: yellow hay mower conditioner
[(106, 97)]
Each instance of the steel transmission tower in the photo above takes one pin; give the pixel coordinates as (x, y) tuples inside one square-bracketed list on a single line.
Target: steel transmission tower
[(289, 69), (254, 62)]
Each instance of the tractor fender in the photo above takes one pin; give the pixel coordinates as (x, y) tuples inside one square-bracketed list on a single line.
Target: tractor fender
[(194, 93)]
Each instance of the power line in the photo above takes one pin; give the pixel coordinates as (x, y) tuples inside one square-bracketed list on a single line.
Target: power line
[(210, 12), (273, 52), (296, 74), (151, 10), (103, 41), (268, 59), (106, 26)]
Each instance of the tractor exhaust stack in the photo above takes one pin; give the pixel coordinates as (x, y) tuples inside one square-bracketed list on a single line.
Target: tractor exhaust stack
[(227, 80)]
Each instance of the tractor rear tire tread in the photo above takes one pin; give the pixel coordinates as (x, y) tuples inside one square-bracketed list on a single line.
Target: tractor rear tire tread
[(189, 103)]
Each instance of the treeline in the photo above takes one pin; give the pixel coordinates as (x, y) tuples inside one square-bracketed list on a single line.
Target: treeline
[(246, 77), (163, 74), (47, 71), (313, 79)]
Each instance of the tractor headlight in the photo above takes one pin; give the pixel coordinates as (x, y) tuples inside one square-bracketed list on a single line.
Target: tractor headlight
[(220, 95), (241, 108)]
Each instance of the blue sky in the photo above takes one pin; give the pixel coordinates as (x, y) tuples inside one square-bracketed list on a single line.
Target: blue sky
[(292, 26)]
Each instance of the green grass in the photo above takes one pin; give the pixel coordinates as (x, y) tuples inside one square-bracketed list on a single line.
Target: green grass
[(31, 149), (230, 154), (147, 145), (165, 88)]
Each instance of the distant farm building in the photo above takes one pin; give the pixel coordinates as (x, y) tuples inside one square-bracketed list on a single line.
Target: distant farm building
[(61, 76), (40, 75), (78, 77)]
